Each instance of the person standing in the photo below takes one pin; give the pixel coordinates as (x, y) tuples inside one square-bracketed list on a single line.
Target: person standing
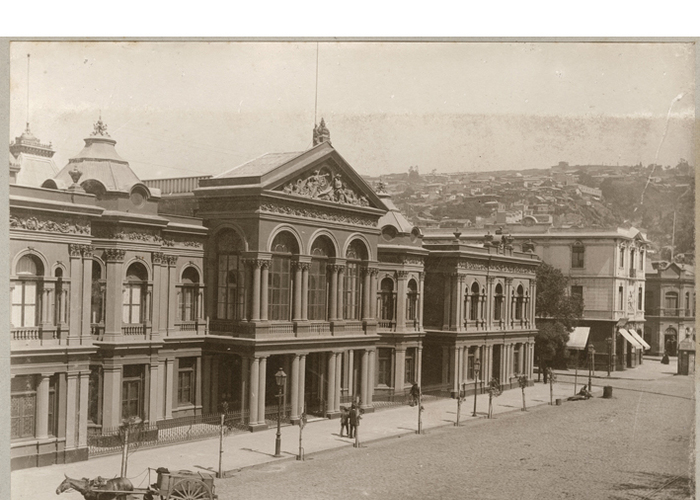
[(353, 420), (344, 421)]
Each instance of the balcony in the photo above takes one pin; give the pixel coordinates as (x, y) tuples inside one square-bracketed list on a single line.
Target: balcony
[(320, 328), (386, 325), (30, 333), (133, 330)]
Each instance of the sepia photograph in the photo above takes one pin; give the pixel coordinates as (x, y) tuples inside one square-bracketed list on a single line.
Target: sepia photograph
[(318, 268)]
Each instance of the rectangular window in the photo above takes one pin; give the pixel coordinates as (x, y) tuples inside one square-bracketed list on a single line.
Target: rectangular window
[(95, 395), (279, 285), (470, 363), (410, 372), (622, 257), (23, 407), (577, 252), (24, 304), (188, 303), (186, 381), (53, 405), (620, 299), (131, 309), (132, 391), (318, 290), (640, 299), (384, 367), (516, 359), (352, 287), (577, 291)]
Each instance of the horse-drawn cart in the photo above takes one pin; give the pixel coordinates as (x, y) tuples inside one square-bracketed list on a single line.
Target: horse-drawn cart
[(178, 485)]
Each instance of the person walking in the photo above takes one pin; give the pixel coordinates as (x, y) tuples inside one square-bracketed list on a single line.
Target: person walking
[(415, 394), (353, 420), (344, 421)]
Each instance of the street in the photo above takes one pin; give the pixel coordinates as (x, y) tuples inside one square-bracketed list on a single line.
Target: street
[(636, 445)]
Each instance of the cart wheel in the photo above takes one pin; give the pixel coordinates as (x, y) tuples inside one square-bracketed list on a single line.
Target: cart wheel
[(190, 489)]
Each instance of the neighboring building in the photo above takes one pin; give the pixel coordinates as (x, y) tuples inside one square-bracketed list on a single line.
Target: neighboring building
[(606, 268), (164, 306), (670, 306), (31, 162)]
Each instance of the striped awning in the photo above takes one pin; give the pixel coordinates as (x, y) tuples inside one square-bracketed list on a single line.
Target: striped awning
[(629, 338), (639, 339)]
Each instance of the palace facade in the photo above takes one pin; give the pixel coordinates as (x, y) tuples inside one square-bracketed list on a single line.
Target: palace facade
[(175, 298)]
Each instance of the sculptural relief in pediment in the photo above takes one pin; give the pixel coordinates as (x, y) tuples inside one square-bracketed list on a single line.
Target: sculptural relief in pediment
[(326, 184)]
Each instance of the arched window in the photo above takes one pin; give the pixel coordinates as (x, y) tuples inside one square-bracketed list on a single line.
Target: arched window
[(134, 294), (279, 278), (386, 300), (321, 251), (26, 294), (519, 302), (352, 286), (189, 295), (671, 304), (474, 303), (230, 276), (412, 301), (622, 257), (687, 303), (577, 252), (498, 303)]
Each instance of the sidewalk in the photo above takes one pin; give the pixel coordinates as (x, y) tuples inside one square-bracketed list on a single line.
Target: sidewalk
[(650, 369), (251, 449)]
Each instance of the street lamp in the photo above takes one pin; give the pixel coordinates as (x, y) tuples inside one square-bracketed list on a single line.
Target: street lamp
[(591, 359), (280, 378), (477, 368), (609, 340)]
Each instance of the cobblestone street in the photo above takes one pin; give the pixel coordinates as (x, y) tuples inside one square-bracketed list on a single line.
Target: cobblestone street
[(637, 445)]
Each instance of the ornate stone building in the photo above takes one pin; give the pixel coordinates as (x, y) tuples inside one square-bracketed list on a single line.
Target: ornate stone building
[(179, 297)]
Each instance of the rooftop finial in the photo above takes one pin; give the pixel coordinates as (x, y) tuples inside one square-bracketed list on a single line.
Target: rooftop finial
[(100, 127), (321, 133)]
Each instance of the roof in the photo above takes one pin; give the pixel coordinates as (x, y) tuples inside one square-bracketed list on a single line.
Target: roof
[(33, 169), (259, 166)]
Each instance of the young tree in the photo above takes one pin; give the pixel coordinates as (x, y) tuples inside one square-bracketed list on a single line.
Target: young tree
[(558, 312)]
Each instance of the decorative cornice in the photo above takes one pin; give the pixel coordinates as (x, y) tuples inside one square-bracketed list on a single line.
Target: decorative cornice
[(114, 254), (314, 213), (42, 224), (402, 259), (145, 236)]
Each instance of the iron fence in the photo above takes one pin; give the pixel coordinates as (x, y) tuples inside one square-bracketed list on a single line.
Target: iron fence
[(106, 441)]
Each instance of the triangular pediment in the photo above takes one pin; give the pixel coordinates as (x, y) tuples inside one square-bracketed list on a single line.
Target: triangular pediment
[(321, 174)]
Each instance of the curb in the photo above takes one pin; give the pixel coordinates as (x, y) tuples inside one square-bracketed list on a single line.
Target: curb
[(227, 474)]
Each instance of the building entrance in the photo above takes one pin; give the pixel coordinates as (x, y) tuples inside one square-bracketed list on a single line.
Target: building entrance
[(315, 384)]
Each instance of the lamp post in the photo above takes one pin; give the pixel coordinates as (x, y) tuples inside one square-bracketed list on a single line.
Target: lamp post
[(609, 340), (280, 378), (477, 369), (591, 358)]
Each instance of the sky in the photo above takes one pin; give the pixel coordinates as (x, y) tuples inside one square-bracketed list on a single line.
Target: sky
[(195, 108)]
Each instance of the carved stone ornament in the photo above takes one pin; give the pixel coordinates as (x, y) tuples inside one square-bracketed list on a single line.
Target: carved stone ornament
[(470, 265), (312, 213), (511, 268), (114, 254), (158, 257), (87, 251), (170, 259), (325, 184), (100, 128), (41, 224), (75, 251)]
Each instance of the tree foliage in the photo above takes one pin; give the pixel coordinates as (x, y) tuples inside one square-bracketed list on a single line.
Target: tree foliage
[(558, 308)]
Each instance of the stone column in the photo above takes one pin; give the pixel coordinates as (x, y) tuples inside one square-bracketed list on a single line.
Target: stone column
[(163, 303), (304, 291), (508, 300), (489, 302), (114, 258), (365, 378), (401, 295), (158, 291), (447, 300), (83, 380), (295, 386), (42, 406), (455, 285), (160, 403), (445, 365), (330, 389), (71, 410), (338, 380), (454, 368), (366, 294), (206, 384), (169, 387), (76, 270), (297, 298), (172, 291), (399, 368), (198, 383), (86, 303), (373, 293), (262, 374), (215, 364), (372, 364), (153, 393), (333, 296), (264, 290), (465, 363), (421, 291), (340, 314), (245, 382), (112, 396), (351, 375), (254, 387), (255, 313)]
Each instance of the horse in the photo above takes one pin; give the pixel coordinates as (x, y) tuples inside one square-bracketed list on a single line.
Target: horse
[(90, 491)]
